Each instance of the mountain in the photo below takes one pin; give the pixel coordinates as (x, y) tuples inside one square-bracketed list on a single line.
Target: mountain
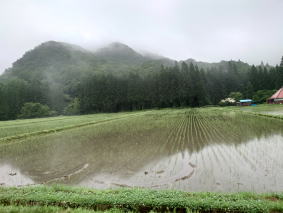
[(52, 59), (62, 62), (120, 59), (120, 53)]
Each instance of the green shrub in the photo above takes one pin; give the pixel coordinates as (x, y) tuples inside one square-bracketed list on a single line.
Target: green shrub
[(236, 96), (73, 108), (261, 96), (35, 110)]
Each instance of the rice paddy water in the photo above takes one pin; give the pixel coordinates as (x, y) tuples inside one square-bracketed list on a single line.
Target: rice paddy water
[(206, 149)]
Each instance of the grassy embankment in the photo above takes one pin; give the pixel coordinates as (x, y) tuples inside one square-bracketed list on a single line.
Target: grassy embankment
[(62, 197)]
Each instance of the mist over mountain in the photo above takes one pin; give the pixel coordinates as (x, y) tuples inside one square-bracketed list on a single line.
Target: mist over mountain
[(58, 57), (49, 58), (120, 53)]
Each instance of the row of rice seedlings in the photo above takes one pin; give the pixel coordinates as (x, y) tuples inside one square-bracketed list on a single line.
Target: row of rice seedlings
[(202, 130), (219, 157), (212, 130), (74, 137), (251, 125), (11, 130), (225, 128), (226, 134), (219, 152), (235, 131), (200, 142), (24, 122), (54, 122), (253, 152), (35, 121), (171, 133), (215, 156), (193, 141), (58, 129), (197, 141), (173, 140), (195, 137), (176, 144), (132, 128), (250, 156)]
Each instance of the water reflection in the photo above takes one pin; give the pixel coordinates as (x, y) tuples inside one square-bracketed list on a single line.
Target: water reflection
[(191, 151), (10, 176)]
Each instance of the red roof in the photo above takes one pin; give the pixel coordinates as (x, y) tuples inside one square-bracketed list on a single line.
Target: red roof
[(278, 94)]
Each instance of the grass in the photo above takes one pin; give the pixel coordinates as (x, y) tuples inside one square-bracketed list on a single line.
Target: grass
[(49, 209), (136, 199)]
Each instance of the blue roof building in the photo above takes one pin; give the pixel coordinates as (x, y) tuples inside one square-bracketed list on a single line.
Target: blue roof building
[(245, 102)]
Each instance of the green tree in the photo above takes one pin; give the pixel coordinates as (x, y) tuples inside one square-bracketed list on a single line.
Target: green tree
[(73, 108), (262, 95), (15, 93), (35, 110), (236, 96), (3, 104)]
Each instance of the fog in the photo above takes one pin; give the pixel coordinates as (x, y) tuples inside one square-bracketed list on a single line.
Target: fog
[(206, 30)]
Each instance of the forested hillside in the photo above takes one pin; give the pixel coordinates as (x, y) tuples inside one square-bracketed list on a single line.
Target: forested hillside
[(71, 80)]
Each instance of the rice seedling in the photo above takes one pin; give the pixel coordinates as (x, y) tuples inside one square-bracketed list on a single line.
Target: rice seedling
[(204, 149)]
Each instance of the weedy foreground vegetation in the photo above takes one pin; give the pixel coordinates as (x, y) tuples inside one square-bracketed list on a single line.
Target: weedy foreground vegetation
[(57, 198)]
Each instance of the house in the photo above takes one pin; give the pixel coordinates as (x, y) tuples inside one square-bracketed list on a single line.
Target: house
[(245, 102), (276, 98)]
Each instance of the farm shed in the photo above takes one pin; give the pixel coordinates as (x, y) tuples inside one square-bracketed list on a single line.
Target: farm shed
[(245, 102), (276, 98)]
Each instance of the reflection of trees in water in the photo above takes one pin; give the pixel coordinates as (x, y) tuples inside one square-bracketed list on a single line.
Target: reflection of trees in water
[(131, 147), (50, 157)]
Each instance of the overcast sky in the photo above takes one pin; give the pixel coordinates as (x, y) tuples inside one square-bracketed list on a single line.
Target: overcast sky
[(206, 30)]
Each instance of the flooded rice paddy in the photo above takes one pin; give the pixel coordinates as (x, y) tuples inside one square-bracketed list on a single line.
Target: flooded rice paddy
[(191, 150)]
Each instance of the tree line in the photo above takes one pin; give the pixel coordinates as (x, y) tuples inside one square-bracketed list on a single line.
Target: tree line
[(179, 86), (182, 85)]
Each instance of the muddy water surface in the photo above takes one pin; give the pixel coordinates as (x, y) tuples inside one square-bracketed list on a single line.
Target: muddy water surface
[(191, 150)]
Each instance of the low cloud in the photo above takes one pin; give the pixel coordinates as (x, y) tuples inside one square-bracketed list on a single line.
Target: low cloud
[(205, 30)]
